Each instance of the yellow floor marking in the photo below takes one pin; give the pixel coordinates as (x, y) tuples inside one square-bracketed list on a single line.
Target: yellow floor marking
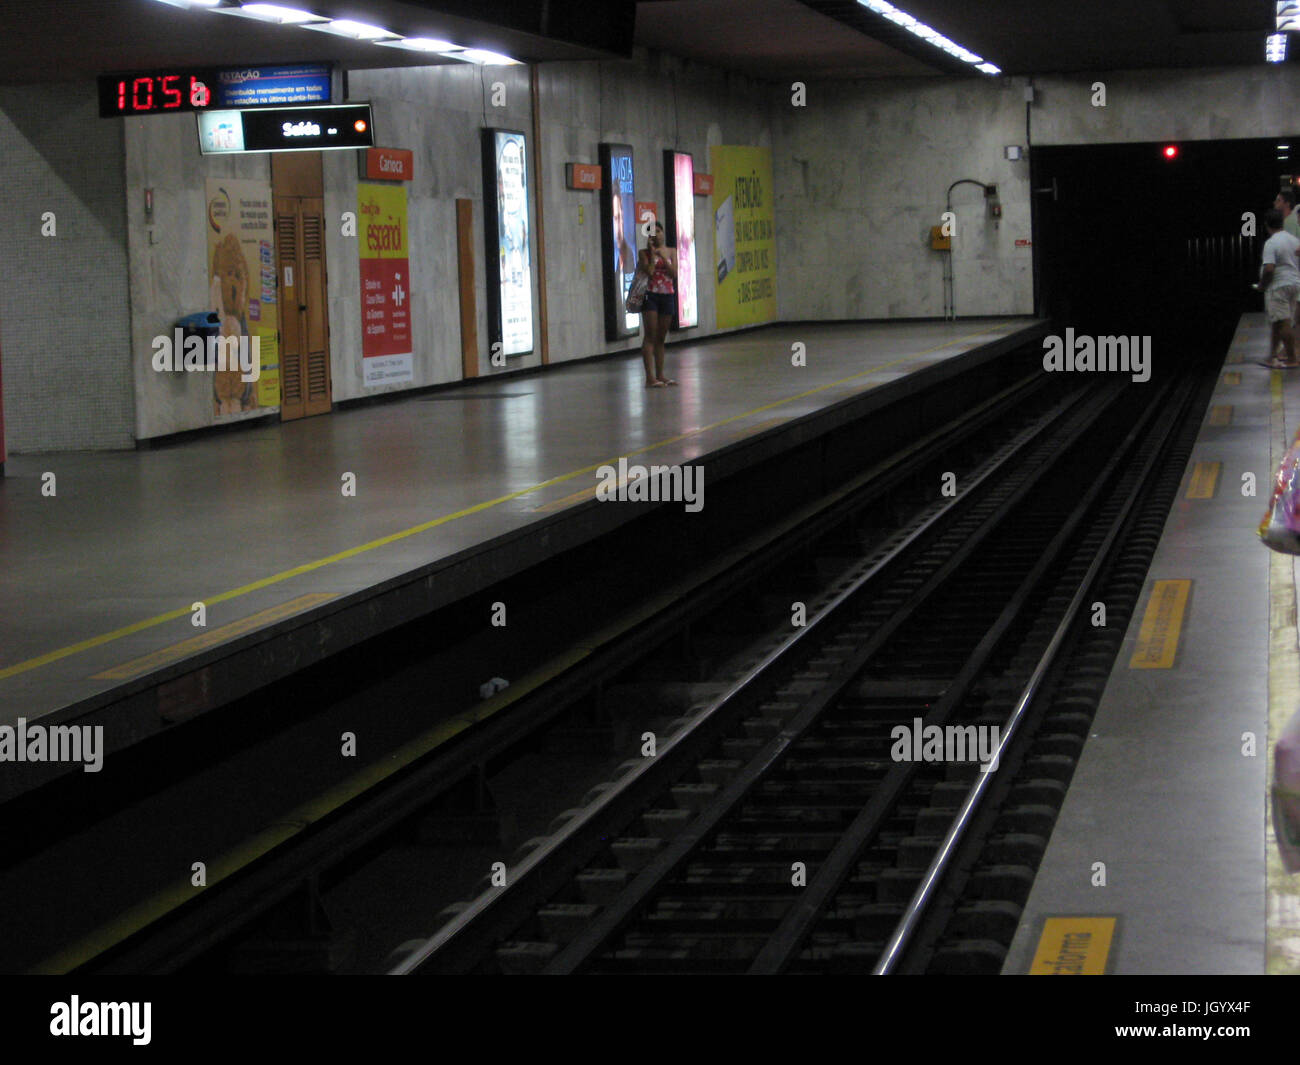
[(1232, 378), (1234, 359), (1282, 894), (415, 530), (1162, 625), (195, 644), (770, 423), (1220, 415), (1074, 946), (1204, 481)]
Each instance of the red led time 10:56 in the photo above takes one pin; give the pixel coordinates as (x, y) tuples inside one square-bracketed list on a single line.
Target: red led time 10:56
[(155, 92)]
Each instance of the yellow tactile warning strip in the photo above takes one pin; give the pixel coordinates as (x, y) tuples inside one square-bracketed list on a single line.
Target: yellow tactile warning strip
[(195, 644), (1205, 480), (1220, 415), (1232, 378), (414, 530), (1162, 625), (1074, 946), (1282, 929)]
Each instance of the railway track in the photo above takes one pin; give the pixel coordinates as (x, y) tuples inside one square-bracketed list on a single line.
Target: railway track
[(782, 825)]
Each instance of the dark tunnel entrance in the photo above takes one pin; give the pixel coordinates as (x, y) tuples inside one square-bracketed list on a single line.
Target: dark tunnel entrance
[(1133, 242)]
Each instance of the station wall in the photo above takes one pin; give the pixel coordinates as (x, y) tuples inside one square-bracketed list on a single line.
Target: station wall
[(653, 103), (1158, 105), (862, 170), (861, 173), (63, 280)]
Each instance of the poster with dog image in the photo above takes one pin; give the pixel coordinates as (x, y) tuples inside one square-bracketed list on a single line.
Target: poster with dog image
[(242, 290)]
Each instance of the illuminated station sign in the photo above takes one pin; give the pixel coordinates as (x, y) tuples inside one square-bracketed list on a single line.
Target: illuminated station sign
[(179, 89), (286, 129)]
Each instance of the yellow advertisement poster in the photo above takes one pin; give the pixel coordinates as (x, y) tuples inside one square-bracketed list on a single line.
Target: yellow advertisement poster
[(241, 275), (744, 235)]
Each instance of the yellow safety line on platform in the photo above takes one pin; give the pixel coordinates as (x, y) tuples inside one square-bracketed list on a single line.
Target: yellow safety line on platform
[(1204, 480), (1220, 416), (1282, 891), (414, 530), (1162, 626), (1074, 946)]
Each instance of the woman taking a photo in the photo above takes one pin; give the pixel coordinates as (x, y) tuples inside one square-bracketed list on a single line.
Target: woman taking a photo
[(660, 264)]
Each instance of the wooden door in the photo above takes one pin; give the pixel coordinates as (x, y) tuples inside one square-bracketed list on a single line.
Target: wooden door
[(304, 322)]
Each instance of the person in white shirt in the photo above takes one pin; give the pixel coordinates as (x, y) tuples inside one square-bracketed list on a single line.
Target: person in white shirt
[(1279, 280)]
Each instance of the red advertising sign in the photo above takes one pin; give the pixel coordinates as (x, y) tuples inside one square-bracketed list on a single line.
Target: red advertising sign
[(390, 164), (703, 184), (385, 285)]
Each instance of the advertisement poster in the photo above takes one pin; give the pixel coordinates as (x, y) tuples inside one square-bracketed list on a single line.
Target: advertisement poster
[(619, 238), (679, 182), (386, 353), (242, 290), (744, 235), (509, 251)]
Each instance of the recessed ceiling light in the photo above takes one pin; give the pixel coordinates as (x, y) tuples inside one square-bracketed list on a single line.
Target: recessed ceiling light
[(928, 34), (357, 31), (482, 55), (275, 13), (422, 44)]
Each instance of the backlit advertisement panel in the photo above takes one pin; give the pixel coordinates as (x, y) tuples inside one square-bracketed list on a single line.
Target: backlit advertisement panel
[(618, 238), (679, 183), (509, 249)]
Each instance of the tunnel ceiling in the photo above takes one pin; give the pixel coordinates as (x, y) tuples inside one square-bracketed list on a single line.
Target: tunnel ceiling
[(775, 40)]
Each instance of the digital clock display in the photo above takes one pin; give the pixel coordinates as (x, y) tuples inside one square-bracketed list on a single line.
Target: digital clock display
[(157, 92)]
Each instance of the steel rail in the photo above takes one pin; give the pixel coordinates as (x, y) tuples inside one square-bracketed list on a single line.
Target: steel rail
[(934, 874)]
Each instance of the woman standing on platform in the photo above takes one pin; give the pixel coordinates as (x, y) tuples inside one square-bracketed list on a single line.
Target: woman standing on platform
[(660, 263)]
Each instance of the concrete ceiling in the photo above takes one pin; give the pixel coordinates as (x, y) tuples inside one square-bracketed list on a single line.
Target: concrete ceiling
[(1046, 36), (773, 40), (56, 40)]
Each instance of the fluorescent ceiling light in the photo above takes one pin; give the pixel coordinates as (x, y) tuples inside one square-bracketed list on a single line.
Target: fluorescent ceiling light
[(482, 55), (357, 31), (932, 36), (1275, 47), (275, 13), (187, 4), (422, 44)]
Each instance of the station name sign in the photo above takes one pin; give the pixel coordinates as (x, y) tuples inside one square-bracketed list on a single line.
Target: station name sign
[(179, 89), (285, 129)]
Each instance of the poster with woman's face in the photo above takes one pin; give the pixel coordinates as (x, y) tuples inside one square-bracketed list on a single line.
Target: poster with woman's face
[(683, 193), (622, 213), (513, 245)]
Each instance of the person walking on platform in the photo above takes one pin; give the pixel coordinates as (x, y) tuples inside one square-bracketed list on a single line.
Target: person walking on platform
[(660, 305), (1279, 280)]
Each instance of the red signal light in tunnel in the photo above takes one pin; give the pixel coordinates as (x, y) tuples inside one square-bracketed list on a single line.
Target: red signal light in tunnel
[(1171, 152)]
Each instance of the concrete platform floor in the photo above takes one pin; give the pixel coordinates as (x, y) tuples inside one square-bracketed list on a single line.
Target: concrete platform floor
[(99, 578), (1166, 797)]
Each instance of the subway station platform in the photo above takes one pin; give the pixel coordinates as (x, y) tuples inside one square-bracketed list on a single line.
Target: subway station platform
[(1163, 859), (454, 491)]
